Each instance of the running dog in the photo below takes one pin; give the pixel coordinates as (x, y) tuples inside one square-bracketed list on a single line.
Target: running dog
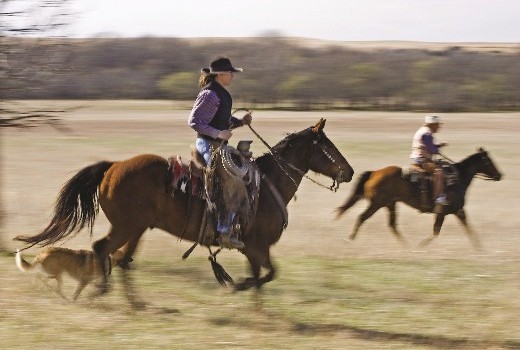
[(52, 262)]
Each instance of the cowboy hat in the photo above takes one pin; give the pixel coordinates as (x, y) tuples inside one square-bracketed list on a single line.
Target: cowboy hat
[(432, 119), (220, 65)]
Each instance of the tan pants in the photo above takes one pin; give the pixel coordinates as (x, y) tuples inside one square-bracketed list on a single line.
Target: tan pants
[(435, 170)]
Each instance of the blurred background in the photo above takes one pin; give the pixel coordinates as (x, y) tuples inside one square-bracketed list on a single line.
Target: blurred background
[(79, 50), (83, 81)]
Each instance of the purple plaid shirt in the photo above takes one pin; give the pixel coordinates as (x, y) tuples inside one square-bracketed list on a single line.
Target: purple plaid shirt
[(203, 111)]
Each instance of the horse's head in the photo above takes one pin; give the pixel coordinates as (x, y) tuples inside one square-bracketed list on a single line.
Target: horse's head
[(326, 158), (485, 166)]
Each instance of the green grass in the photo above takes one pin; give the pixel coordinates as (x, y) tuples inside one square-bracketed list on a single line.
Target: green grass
[(315, 303)]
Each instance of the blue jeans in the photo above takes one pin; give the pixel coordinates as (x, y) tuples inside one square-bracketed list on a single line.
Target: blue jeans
[(203, 147), (223, 221)]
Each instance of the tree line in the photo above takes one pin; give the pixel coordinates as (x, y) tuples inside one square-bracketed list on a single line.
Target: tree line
[(278, 73)]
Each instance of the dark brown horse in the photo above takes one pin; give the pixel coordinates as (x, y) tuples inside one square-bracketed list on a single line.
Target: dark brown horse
[(133, 196), (385, 187)]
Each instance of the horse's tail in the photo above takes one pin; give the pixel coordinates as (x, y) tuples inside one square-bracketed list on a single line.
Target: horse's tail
[(358, 193), (76, 206)]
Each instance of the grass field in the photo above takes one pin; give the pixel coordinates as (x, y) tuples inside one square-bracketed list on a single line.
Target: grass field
[(329, 293)]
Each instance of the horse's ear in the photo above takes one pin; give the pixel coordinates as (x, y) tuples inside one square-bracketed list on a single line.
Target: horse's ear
[(481, 149), (319, 126)]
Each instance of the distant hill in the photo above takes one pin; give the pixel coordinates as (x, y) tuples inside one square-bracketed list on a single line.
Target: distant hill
[(280, 72), (411, 45)]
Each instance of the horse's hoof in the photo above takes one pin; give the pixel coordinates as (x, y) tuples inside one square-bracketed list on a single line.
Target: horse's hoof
[(239, 287), (245, 285)]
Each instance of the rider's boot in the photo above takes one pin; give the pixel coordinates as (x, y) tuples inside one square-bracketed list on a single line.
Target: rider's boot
[(227, 240), (229, 229)]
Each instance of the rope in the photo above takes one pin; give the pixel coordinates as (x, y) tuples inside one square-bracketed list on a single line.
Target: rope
[(229, 165), (448, 159)]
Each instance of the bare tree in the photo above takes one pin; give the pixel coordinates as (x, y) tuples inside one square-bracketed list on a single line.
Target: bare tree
[(24, 25)]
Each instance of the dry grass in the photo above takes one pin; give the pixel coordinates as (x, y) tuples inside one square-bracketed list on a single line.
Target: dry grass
[(329, 293)]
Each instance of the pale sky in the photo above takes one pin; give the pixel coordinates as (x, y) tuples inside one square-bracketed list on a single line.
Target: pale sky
[(343, 20)]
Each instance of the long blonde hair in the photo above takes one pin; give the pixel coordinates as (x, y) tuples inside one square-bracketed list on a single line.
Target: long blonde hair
[(205, 77)]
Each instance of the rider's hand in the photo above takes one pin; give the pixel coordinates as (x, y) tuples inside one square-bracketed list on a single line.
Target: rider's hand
[(225, 134), (442, 144), (247, 118)]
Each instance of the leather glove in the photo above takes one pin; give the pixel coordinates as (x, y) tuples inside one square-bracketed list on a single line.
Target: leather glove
[(247, 118)]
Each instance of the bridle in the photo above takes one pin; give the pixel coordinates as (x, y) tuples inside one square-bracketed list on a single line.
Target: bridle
[(477, 175), (285, 164), (482, 176)]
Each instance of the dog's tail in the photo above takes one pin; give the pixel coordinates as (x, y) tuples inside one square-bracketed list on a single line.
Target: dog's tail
[(23, 265)]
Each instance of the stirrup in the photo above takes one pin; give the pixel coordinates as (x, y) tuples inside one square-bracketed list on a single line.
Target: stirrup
[(225, 240)]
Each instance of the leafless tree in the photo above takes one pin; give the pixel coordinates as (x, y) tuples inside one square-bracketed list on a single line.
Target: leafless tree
[(40, 21)]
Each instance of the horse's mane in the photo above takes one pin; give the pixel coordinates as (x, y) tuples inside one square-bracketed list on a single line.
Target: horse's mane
[(266, 160), (469, 159)]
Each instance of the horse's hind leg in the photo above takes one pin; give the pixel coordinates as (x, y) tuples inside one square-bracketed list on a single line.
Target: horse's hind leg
[(363, 217), (461, 215), (392, 222), (116, 238), (128, 285), (128, 252)]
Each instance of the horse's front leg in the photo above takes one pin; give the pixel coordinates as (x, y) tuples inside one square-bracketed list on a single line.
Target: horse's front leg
[(439, 220), (257, 259), (461, 215)]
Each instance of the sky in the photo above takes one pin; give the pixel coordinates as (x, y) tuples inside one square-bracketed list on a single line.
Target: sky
[(339, 20)]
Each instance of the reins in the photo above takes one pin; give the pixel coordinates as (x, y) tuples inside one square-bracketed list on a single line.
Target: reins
[(277, 158), (477, 175), (448, 159), (334, 187)]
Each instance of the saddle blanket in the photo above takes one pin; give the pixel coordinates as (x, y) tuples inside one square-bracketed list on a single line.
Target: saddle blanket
[(183, 177)]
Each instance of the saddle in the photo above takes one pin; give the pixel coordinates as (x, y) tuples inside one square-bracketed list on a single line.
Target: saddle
[(414, 173), (423, 180), (238, 193)]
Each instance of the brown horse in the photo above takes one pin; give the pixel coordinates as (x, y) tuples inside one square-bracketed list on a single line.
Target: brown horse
[(133, 196), (387, 186)]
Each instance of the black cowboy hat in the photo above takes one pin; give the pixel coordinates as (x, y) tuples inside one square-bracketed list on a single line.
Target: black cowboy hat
[(221, 65)]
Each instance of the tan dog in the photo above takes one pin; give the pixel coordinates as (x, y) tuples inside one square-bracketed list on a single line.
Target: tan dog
[(82, 265)]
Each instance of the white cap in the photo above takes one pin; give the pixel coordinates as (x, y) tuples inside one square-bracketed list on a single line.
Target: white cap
[(432, 119)]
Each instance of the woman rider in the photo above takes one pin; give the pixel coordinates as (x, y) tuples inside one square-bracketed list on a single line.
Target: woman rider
[(211, 118)]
